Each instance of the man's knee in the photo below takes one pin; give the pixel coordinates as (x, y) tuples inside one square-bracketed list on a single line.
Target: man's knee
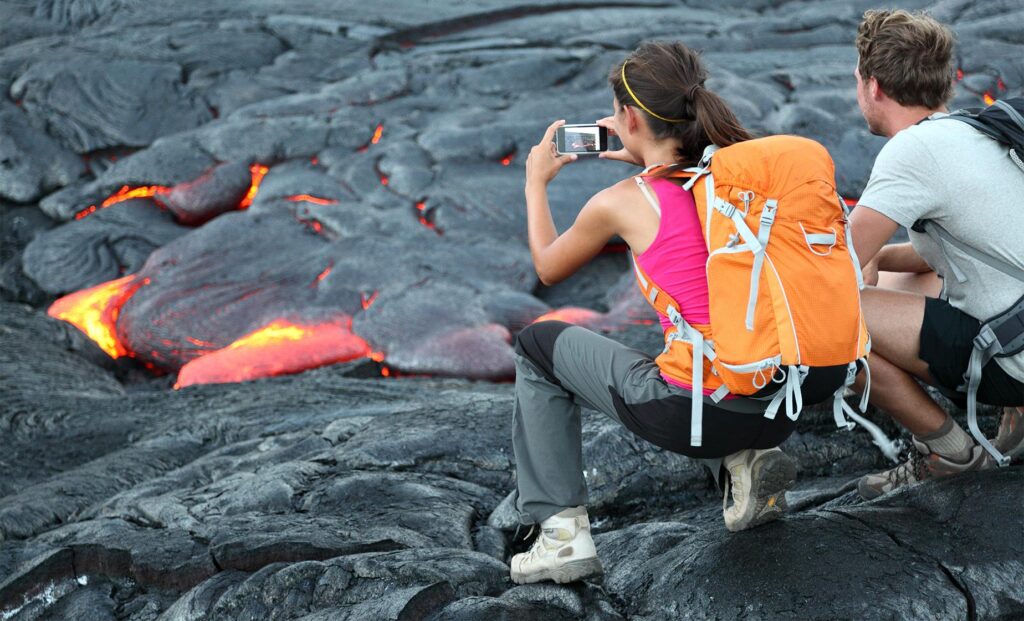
[(536, 343)]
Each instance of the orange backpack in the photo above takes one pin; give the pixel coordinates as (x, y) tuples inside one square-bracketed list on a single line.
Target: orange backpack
[(783, 279)]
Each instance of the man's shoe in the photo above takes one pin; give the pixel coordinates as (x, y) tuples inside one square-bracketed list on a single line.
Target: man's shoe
[(922, 465), (563, 551), (758, 480), (1010, 438)]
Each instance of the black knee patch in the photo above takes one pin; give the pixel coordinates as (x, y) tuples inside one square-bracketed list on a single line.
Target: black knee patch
[(536, 343)]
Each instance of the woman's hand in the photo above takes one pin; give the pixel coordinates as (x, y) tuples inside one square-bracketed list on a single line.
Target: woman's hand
[(621, 155), (543, 163)]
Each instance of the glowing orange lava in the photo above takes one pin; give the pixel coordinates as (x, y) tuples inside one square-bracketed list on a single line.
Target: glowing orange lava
[(569, 314), (258, 171), (851, 202), (316, 200), (988, 98), (322, 275), (367, 302), (384, 179), (421, 207), (124, 194), (377, 133), (507, 160), (959, 74), (94, 311), (280, 348)]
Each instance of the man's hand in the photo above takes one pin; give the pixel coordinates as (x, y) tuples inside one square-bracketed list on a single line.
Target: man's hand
[(870, 271), (543, 163)]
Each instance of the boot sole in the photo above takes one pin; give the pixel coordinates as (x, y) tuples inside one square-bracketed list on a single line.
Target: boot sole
[(569, 572), (771, 476)]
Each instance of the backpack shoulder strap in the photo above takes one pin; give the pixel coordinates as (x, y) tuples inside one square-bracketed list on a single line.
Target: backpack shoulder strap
[(936, 231)]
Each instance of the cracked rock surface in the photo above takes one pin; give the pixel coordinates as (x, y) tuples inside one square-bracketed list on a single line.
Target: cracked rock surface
[(322, 160)]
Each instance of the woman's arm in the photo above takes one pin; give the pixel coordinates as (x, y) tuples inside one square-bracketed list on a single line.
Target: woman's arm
[(556, 257)]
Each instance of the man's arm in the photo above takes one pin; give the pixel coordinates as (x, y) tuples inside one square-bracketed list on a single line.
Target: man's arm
[(870, 230), (901, 258)]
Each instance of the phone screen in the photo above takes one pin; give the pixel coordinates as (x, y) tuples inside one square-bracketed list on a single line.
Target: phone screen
[(581, 139)]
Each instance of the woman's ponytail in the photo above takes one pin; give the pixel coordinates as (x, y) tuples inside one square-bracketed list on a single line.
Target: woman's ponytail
[(716, 119)]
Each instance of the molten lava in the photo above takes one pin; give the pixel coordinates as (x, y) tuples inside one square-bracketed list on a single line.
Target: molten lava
[(507, 160), (124, 194), (988, 98), (426, 218), (258, 171), (94, 311), (316, 200), (280, 348), (377, 133), (322, 275), (569, 314), (367, 302)]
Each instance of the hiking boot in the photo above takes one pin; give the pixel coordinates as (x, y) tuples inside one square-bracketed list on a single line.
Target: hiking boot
[(1010, 438), (758, 480), (922, 465), (563, 551)]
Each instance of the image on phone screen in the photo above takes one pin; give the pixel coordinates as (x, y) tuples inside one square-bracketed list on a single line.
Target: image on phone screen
[(581, 139)]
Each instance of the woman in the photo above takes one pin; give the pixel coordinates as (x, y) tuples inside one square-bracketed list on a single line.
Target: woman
[(664, 116)]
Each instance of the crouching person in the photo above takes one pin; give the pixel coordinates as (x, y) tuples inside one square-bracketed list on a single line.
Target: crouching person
[(740, 286), (959, 193)]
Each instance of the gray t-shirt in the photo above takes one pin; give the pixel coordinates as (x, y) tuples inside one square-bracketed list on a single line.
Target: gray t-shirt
[(949, 172)]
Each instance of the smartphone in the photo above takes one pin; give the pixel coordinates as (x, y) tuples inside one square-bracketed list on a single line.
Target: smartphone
[(581, 139)]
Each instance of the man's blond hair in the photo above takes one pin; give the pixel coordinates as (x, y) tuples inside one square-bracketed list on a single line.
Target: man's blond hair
[(909, 54)]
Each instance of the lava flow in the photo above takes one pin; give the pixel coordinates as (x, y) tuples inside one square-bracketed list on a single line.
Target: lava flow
[(94, 311), (124, 194), (316, 200), (155, 191), (280, 348), (258, 171)]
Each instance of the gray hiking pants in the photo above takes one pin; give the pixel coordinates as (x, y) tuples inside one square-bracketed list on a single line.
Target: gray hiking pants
[(561, 367)]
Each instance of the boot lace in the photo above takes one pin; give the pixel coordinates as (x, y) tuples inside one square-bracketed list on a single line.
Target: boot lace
[(910, 471)]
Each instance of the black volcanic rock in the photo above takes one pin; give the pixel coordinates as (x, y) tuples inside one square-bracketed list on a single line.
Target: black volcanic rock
[(106, 245), (32, 163)]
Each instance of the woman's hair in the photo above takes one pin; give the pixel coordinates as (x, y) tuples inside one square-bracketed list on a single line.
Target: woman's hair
[(668, 80)]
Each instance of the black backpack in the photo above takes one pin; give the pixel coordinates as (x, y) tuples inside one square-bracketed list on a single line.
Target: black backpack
[(1002, 121), (1002, 335)]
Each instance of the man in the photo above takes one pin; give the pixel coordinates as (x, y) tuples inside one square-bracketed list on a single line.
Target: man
[(949, 173)]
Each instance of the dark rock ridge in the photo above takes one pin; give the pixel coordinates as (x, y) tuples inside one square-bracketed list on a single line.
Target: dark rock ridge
[(318, 162)]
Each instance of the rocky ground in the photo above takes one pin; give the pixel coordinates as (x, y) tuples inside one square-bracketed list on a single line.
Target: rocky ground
[(361, 166)]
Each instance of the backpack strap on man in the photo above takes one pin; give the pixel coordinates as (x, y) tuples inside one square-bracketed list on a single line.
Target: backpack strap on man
[(1000, 336)]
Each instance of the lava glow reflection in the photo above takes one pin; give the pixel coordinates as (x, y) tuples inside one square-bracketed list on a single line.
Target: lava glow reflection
[(280, 348), (94, 311), (569, 314)]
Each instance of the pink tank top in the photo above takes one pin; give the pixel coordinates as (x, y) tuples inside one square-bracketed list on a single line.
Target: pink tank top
[(677, 257)]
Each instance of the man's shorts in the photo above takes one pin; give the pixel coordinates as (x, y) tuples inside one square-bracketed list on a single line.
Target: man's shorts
[(947, 340)]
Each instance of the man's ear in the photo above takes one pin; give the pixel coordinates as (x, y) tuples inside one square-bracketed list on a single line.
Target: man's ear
[(875, 89)]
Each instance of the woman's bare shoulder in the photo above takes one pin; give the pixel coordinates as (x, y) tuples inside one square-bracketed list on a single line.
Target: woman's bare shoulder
[(618, 195)]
